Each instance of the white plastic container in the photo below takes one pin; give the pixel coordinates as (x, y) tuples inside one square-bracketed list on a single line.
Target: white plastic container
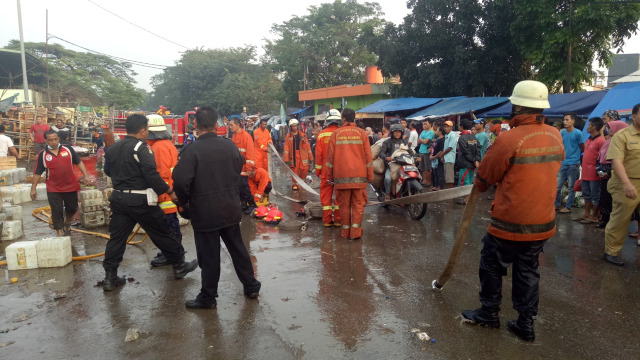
[(14, 212), (92, 219), (107, 194), (41, 189), (5, 178), (107, 215), (22, 255), (15, 176), (109, 182), (11, 230), (22, 174), (90, 200), (11, 194), (54, 251), (25, 192)]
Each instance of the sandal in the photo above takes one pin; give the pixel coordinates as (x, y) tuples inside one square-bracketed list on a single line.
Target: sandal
[(66, 230), (633, 235), (564, 211), (587, 221)]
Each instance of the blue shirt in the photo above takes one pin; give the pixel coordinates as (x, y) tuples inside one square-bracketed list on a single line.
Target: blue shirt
[(482, 140), (572, 141), (424, 149), (450, 141)]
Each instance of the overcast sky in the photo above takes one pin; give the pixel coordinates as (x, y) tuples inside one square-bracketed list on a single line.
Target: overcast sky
[(184, 23)]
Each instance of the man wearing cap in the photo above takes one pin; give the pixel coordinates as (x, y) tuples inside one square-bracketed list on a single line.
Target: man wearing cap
[(297, 152), (166, 156), (481, 134), (206, 181), (624, 185), (521, 162), (449, 153), (350, 167), (244, 142), (330, 213), (262, 139)]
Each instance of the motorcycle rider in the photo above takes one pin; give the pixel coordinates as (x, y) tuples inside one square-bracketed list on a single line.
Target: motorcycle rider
[(388, 148)]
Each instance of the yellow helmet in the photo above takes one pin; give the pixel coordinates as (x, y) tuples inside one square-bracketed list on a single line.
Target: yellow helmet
[(531, 94), (156, 123)]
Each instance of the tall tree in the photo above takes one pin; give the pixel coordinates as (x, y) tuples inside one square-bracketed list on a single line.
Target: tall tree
[(322, 48), (226, 78), (84, 77)]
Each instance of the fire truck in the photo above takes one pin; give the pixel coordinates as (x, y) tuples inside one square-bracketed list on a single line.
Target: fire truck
[(176, 124)]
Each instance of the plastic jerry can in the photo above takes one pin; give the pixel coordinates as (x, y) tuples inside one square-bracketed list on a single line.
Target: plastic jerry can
[(11, 194), (107, 195), (5, 178), (15, 176), (25, 192), (92, 219), (54, 251), (22, 174), (91, 200), (22, 255), (14, 212), (11, 230)]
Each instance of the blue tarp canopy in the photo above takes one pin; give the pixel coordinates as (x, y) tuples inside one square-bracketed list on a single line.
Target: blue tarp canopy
[(234, 116), (300, 111), (399, 104), (7, 103), (459, 106), (621, 98), (581, 103)]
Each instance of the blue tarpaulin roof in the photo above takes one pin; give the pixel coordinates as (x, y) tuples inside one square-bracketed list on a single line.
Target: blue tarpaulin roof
[(581, 103), (459, 106), (621, 98), (399, 104), (300, 110)]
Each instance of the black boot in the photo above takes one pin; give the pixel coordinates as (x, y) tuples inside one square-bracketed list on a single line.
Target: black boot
[(523, 327), (250, 209), (182, 268), (159, 260), (484, 316), (111, 280)]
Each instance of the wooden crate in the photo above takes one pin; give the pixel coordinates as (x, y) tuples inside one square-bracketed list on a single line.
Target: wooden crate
[(8, 162)]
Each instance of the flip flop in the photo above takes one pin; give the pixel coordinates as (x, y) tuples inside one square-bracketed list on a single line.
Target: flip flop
[(66, 229), (587, 221), (564, 211), (633, 235)]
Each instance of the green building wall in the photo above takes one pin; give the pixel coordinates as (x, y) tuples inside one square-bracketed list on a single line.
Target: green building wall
[(353, 102)]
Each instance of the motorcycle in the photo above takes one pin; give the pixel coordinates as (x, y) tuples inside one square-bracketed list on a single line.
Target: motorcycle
[(408, 183)]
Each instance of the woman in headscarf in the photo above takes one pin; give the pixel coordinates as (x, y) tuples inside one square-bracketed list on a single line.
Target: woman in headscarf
[(610, 115), (603, 167)]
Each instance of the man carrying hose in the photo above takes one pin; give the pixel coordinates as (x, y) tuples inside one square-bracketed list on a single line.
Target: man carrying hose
[(523, 162)]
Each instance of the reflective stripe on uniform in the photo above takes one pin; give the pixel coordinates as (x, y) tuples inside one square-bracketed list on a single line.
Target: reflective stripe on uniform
[(370, 164), (318, 167), (336, 207), (167, 205), (324, 135), (346, 227), (350, 180), (535, 159), (135, 148), (305, 161), (242, 149), (521, 228), (327, 208), (355, 225), (347, 142), (329, 165)]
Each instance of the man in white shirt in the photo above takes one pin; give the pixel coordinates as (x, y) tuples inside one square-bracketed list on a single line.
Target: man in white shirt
[(6, 145), (413, 135)]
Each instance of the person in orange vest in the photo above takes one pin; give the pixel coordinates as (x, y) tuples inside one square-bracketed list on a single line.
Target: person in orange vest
[(297, 152), (326, 189), (166, 156), (260, 185), (244, 142), (262, 139), (349, 167)]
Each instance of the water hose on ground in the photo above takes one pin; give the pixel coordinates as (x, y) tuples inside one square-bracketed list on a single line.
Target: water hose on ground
[(44, 214)]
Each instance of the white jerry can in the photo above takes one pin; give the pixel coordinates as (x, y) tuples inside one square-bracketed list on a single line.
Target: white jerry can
[(22, 255), (92, 219), (11, 230), (90, 200), (14, 212), (54, 251)]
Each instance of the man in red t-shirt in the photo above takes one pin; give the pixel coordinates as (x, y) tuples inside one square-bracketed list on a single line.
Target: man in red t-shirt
[(590, 179), (62, 187), (36, 132)]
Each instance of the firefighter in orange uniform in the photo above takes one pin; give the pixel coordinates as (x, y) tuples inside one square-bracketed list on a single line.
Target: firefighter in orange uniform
[(262, 139), (350, 168), (326, 189), (244, 142), (260, 185), (297, 152), (166, 156)]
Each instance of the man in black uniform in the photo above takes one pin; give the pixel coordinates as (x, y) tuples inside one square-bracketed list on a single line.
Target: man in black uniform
[(206, 180), (132, 168)]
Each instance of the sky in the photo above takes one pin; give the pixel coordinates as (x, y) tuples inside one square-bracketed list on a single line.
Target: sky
[(109, 26)]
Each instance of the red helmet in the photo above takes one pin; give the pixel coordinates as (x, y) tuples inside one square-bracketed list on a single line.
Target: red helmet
[(274, 216), (261, 211)]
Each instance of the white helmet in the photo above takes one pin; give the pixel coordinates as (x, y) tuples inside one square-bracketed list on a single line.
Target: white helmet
[(156, 123), (293, 122), (334, 117), (531, 94)]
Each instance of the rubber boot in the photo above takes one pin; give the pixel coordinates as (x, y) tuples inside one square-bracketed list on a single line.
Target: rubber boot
[(484, 316), (111, 280), (523, 327), (182, 268)]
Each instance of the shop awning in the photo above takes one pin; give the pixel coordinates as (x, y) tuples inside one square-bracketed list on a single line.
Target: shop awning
[(459, 106), (621, 98), (581, 103), (399, 104)]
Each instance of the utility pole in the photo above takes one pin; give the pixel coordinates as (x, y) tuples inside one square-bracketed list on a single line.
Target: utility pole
[(46, 54), (25, 83), (567, 85)]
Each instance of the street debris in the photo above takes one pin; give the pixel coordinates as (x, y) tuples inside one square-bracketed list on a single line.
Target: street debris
[(132, 335)]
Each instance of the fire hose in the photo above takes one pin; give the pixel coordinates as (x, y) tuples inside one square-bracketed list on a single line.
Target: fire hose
[(44, 214)]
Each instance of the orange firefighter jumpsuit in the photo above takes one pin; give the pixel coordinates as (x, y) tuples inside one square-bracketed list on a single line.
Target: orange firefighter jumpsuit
[(326, 189), (350, 167), (166, 158), (259, 183), (244, 142), (262, 139), (297, 155)]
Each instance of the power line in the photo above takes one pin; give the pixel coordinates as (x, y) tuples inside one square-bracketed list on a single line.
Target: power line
[(135, 62), (138, 26)]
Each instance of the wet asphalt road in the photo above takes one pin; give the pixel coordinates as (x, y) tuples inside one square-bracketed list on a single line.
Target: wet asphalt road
[(324, 297)]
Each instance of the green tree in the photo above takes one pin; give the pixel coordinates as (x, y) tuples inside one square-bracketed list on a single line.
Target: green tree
[(322, 48), (83, 77), (226, 78)]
